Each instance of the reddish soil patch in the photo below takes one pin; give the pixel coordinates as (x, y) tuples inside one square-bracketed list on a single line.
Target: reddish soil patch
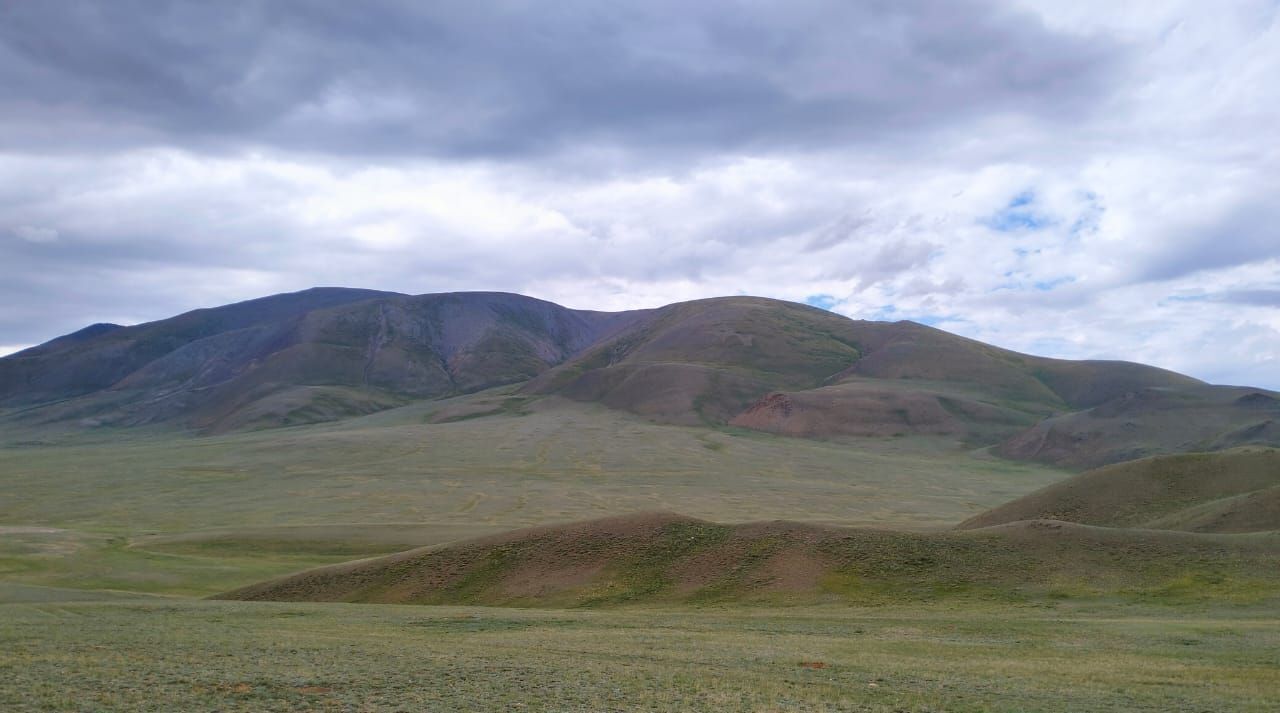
[(793, 570), (849, 410), (540, 579)]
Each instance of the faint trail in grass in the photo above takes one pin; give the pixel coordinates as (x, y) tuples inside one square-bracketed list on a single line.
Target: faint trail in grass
[(471, 504)]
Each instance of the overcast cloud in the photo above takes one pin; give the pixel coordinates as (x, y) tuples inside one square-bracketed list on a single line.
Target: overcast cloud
[(1085, 179)]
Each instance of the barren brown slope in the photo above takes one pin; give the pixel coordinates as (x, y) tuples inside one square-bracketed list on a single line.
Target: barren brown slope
[(668, 558), (1230, 491)]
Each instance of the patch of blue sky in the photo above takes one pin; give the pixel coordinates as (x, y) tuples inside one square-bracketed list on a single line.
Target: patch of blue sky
[(1019, 215), (1026, 197), (1012, 281), (1090, 218), (1047, 285), (1018, 281), (821, 301)]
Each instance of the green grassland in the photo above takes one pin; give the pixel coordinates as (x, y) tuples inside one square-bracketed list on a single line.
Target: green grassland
[(106, 537), (1226, 491), (224, 656), (167, 513)]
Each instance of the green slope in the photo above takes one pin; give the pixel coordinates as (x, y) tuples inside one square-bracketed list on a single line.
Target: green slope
[(662, 557), (1231, 491)]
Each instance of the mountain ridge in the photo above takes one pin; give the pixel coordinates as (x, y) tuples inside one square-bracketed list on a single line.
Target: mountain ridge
[(747, 362)]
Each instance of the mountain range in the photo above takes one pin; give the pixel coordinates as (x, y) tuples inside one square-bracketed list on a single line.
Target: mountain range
[(734, 362)]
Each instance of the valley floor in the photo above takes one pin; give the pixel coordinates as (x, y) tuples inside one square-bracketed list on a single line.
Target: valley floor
[(165, 513), (155, 655)]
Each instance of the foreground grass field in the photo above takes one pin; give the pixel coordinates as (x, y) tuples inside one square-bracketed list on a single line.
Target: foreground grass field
[(207, 656)]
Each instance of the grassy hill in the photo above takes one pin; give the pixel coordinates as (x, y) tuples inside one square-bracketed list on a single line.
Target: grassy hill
[(662, 557), (704, 361), (1231, 491), (799, 371)]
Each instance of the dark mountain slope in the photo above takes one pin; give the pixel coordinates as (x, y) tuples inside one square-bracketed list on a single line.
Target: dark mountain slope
[(1231, 491), (97, 357), (661, 557), (309, 356)]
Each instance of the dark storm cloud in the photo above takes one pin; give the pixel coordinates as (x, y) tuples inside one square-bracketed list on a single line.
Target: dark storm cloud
[(70, 279), (511, 79)]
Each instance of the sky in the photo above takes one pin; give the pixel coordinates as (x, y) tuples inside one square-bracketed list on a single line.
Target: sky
[(1081, 179)]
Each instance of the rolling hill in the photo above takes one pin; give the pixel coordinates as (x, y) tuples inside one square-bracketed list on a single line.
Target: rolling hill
[(799, 371), (1230, 491), (761, 364), (662, 557)]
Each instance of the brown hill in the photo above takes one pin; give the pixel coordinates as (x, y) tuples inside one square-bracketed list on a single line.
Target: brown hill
[(661, 557), (1231, 491)]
